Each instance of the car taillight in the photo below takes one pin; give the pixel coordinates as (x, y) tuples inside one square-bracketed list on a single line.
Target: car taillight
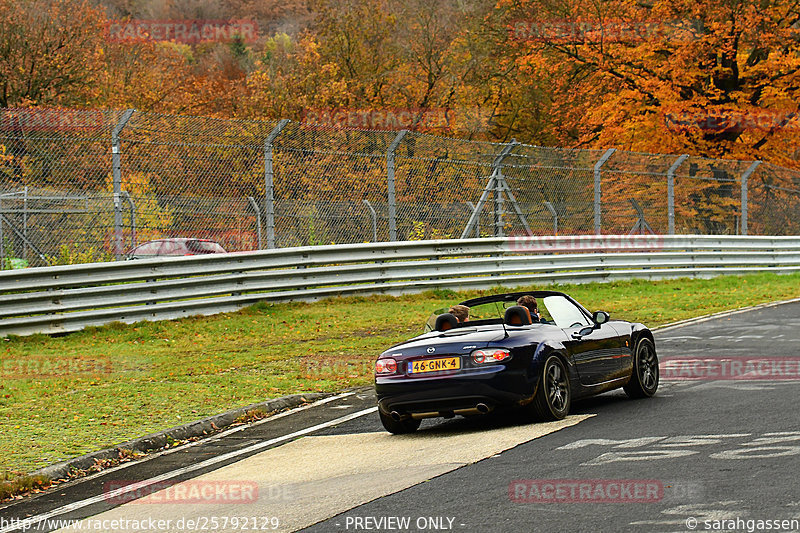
[(490, 355), (386, 366)]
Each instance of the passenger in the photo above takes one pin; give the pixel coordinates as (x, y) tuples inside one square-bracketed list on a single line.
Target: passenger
[(461, 312), (529, 302)]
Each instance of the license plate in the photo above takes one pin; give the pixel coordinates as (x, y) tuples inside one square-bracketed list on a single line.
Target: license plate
[(434, 365)]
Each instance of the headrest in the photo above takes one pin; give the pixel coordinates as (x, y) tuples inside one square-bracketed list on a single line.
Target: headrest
[(518, 316), (446, 321)]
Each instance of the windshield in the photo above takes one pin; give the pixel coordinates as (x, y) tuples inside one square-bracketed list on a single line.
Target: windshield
[(565, 313), (204, 247)]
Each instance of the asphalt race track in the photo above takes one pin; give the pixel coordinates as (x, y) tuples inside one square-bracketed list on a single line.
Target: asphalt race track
[(707, 453)]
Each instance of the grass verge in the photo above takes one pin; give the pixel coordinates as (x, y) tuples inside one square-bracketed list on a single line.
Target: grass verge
[(62, 397)]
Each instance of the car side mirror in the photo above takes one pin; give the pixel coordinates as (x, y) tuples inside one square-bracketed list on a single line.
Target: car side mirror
[(600, 317), (583, 332)]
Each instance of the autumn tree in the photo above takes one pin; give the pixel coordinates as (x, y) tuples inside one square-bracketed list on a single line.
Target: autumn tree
[(380, 54), (174, 78), (717, 79), (668, 76), (50, 52)]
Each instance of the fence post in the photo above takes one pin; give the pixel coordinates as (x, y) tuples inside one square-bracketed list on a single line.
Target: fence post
[(374, 217), (116, 166), (269, 182), (473, 210), (2, 238), (497, 209), (254, 205), (25, 224), (553, 212), (597, 196), (497, 172), (746, 175), (128, 199), (390, 191), (671, 192)]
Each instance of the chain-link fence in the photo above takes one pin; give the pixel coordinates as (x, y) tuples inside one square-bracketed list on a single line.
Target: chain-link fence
[(79, 186)]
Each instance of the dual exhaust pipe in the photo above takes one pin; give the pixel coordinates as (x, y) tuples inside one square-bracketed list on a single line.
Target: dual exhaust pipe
[(479, 409)]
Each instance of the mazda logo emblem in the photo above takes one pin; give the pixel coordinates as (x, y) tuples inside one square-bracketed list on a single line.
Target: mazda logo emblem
[(431, 349)]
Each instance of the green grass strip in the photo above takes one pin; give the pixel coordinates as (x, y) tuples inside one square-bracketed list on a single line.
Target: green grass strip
[(62, 397)]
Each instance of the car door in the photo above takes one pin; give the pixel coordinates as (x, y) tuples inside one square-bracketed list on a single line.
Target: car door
[(594, 348)]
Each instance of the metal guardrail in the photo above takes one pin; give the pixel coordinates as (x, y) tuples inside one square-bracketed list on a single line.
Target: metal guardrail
[(69, 298)]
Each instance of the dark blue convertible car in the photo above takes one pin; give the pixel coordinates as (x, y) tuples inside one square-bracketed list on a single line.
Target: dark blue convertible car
[(503, 357)]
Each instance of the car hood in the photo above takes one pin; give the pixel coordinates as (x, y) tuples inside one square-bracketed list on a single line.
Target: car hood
[(456, 341)]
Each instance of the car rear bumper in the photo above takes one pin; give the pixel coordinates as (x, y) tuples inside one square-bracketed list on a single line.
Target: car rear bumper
[(452, 395)]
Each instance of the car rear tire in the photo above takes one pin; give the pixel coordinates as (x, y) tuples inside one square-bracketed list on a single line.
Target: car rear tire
[(408, 425), (552, 399), (644, 380)]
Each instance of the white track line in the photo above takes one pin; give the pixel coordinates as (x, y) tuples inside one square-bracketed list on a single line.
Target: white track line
[(206, 440), (30, 523), (721, 314)]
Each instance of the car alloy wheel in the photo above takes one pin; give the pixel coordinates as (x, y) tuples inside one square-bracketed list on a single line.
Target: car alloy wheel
[(552, 399), (644, 379)]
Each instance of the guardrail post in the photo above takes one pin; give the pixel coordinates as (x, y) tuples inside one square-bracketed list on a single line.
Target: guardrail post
[(269, 183), (390, 187), (671, 192), (597, 191), (746, 175), (116, 165)]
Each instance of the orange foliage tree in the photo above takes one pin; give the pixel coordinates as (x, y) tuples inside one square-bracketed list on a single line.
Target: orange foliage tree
[(50, 52), (672, 76), (717, 79)]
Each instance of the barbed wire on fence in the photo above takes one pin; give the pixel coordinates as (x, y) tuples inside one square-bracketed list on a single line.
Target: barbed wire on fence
[(82, 186)]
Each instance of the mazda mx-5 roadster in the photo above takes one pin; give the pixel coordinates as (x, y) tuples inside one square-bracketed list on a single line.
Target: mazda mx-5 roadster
[(503, 356)]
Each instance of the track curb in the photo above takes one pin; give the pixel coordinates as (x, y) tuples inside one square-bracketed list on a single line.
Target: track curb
[(156, 441)]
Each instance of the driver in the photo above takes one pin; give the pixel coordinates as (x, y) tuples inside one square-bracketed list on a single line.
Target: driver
[(461, 312), (530, 302)]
